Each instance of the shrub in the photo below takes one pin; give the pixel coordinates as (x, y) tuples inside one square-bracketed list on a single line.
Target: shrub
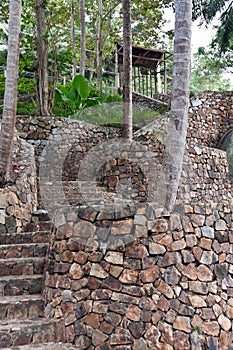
[(2, 84), (25, 85), (76, 95), (24, 108), (113, 98)]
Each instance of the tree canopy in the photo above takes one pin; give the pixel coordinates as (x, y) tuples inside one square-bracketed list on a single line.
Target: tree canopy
[(207, 71), (147, 20), (208, 10)]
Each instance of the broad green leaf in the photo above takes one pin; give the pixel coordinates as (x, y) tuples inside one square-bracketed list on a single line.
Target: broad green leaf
[(81, 85), (58, 96)]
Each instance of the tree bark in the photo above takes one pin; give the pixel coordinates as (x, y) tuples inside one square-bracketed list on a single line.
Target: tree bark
[(42, 75), (74, 63), (99, 50), (83, 37), (11, 91), (102, 36), (178, 124), (127, 68)]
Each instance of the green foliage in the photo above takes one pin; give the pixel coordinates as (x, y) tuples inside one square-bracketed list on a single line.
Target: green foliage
[(225, 31), (147, 22), (61, 109), (197, 329), (113, 98), (94, 92), (208, 10), (76, 95), (24, 108), (2, 84), (25, 85), (207, 72), (146, 16)]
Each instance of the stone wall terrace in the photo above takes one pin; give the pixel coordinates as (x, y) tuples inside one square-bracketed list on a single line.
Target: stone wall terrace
[(131, 276)]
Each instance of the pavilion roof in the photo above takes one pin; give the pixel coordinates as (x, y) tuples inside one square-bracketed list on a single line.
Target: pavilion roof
[(141, 56)]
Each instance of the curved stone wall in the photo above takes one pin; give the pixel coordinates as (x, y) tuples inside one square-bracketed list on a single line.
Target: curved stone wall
[(211, 116)]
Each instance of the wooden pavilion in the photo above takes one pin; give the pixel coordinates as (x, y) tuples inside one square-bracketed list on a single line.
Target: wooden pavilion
[(149, 75)]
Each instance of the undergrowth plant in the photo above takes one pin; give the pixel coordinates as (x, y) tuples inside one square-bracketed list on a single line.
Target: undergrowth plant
[(76, 95), (25, 85)]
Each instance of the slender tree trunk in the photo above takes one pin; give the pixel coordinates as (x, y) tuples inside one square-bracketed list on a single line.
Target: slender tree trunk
[(83, 37), (42, 75), (91, 73), (127, 67), (178, 124), (116, 71), (102, 36), (74, 63), (99, 50), (53, 79), (11, 91)]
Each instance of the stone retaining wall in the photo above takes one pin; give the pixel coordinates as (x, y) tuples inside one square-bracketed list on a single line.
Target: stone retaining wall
[(211, 117), (125, 275), (205, 170), (18, 201), (75, 136), (143, 280), (151, 104)]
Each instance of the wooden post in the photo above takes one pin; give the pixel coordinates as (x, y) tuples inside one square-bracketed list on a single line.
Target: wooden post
[(147, 87), (158, 79), (165, 73), (143, 85), (139, 82), (151, 85), (134, 79), (155, 81)]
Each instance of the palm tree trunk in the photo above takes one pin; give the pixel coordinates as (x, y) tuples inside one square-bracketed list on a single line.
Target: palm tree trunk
[(11, 91), (178, 124), (127, 67)]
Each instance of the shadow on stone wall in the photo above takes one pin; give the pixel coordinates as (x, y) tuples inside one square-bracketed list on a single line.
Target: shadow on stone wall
[(226, 144)]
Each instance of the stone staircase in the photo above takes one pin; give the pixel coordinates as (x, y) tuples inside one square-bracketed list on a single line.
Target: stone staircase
[(22, 321)]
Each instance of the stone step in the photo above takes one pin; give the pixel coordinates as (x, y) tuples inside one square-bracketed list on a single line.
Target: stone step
[(21, 307), (25, 237), (18, 285), (41, 215), (22, 266), (45, 346), (38, 226), (14, 333), (44, 225), (23, 250)]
